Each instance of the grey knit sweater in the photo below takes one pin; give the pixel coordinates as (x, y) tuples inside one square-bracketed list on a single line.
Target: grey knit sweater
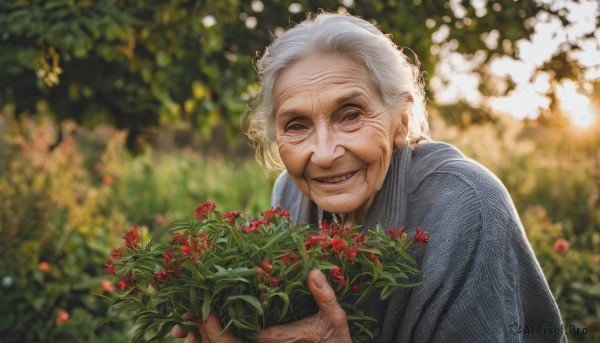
[(481, 281)]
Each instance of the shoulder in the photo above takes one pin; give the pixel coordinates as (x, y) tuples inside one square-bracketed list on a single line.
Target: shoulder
[(441, 165), (453, 193), (288, 195), (283, 186)]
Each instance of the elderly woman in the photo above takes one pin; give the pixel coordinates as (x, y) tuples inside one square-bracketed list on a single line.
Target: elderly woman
[(344, 109)]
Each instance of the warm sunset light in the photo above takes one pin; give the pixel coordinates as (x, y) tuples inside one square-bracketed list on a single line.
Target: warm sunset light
[(583, 118), (576, 105)]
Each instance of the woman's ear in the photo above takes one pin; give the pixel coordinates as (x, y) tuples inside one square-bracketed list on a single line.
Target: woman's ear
[(402, 128), (401, 131)]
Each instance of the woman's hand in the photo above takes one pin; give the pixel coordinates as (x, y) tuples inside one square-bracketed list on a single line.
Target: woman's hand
[(211, 331), (328, 325)]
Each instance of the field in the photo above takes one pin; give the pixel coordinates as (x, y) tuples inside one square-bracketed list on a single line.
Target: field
[(66, 203)]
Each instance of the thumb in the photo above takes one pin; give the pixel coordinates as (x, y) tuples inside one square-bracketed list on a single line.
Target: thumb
[(212, 326), (323, 294)]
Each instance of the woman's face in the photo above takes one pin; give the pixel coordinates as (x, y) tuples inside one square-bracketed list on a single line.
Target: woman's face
[(334, 134)]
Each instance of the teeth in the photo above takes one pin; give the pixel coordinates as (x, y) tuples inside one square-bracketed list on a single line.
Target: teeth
[(337, 179)]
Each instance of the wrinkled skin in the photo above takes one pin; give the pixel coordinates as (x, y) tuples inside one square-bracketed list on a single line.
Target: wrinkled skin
[(335, 135)]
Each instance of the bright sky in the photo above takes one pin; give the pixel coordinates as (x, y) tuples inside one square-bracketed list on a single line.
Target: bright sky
[(530, 94)]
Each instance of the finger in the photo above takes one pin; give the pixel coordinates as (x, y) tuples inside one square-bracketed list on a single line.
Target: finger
[(187, 316), (177, 332), (212, 331), (323, 293), (212, 326), (192, 338), (203, 333)]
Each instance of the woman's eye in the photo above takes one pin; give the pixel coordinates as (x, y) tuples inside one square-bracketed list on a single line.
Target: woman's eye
[(295, 127), (352, 115)]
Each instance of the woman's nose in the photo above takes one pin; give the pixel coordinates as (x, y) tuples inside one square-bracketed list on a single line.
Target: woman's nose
[(325, 148)]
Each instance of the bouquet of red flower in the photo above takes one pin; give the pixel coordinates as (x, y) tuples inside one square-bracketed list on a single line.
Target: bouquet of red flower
[(252, 271)]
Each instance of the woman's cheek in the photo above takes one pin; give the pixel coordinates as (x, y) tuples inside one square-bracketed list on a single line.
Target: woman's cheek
[(292, 156)]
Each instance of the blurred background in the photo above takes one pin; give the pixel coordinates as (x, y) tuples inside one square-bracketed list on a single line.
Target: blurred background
[(117, 113)]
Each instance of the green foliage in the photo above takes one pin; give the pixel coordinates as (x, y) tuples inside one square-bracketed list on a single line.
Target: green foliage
[(67, 202), (138, 63), (65, 205), (54, 221), (154, 188), (252, 271)]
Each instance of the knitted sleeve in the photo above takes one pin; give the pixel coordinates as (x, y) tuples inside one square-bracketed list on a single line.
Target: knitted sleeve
[(481, 280)]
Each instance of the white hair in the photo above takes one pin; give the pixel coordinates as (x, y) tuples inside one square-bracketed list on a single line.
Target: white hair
[(398, 80)]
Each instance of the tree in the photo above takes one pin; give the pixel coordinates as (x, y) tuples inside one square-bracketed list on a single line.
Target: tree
[(135, 63)]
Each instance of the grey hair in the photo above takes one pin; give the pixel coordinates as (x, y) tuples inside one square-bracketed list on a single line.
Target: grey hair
[(399, 81)]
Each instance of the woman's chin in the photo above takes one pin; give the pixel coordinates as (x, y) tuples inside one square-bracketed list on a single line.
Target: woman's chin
[(338, 206)]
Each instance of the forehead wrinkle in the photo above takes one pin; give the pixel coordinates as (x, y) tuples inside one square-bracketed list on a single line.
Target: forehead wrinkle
[(296, 82), (310, 78), (294, 106), (307, 82)]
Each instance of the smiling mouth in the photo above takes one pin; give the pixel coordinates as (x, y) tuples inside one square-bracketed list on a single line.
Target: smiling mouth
[(336, 179)]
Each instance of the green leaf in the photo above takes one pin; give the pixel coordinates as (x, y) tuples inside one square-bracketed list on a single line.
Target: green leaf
[(286, 304), (248, 299), (206, 304)]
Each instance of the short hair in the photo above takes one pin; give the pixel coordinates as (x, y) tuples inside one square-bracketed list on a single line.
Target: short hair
[(398, 80)]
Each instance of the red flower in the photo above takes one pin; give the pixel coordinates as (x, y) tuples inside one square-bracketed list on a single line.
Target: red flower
[(107, 286), (285, 213), (396, 234), (355, 288), (336, 275), (289, 258), (359, 238), (275, 282), (268, 215), (352, 252), (126, 283), (111, 269), (266, 266), (163, 276), (187, 251), (171, 263), (333, 229), (421, 237), (116, 253), (231, 216), (254, 226), (201, 243), (338, 245), (107, 180), (561, 245), (205, 209), (312, 240), (372, 256), (44, 267), (168, 255), (179, 239), (131, 238), (61, 317)]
